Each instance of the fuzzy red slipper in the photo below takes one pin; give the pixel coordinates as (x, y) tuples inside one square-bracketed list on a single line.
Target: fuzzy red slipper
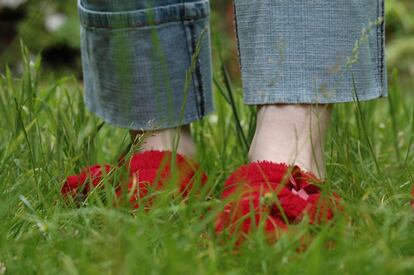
[(276, 193), (412, 198), (152, 170), (79, 186), (147, 170)]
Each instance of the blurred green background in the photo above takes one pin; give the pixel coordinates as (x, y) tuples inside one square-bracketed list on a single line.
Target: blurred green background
[(51, 28)]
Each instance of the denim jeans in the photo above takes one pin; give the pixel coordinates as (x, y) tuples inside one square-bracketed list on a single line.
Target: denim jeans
[(147, 64)]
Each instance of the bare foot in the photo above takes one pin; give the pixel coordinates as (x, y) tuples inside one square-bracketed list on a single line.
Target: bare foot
[(166, 140), (292, 134)]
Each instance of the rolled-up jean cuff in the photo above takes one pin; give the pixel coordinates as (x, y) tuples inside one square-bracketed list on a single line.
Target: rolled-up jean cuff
[(311, 52), (303, 97), (120, 121), (144, 17), (147, 69)]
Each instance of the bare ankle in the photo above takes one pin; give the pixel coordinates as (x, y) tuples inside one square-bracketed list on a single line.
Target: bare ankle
[(171, 139), (292, 134)]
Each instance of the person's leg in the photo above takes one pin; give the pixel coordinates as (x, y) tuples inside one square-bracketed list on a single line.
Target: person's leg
[(137, 58), (166, 140), (292, 134), (147, 68), (297, 58)]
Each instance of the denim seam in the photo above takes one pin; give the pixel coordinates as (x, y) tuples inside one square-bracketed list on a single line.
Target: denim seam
[(382, 46), (144, 17), (189, 56), (198, 76), (132, 28), (378, 66), (236, 28)]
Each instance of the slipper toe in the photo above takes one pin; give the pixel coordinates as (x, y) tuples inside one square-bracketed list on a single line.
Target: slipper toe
[(275, 194), (147, 171), (152, 170), (79, 186)]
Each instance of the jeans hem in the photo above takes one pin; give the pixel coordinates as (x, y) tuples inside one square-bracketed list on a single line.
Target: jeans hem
[(145, 126), (304, 99)]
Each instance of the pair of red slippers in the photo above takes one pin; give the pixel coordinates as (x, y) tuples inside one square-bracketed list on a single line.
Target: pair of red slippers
[(262, 193)]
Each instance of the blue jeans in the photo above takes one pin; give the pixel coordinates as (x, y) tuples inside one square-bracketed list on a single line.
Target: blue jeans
[(147, 64)]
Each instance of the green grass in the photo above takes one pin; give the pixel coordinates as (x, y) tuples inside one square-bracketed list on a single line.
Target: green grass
[(46, 134)]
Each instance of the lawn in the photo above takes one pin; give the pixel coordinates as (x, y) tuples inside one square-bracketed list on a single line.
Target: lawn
[(46, 134)]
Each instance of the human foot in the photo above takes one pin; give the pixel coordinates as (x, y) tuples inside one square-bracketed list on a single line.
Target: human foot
[(292, 134), (149, 170), (175, 139), (274, 195)]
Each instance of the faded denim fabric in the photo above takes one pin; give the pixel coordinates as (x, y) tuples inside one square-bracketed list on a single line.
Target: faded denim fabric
[(147, 64), (311, 51)]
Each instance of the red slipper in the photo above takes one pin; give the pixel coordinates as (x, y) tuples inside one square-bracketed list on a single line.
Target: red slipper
[(412, 198), (276, 193), (77, 186), (150, 169)]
